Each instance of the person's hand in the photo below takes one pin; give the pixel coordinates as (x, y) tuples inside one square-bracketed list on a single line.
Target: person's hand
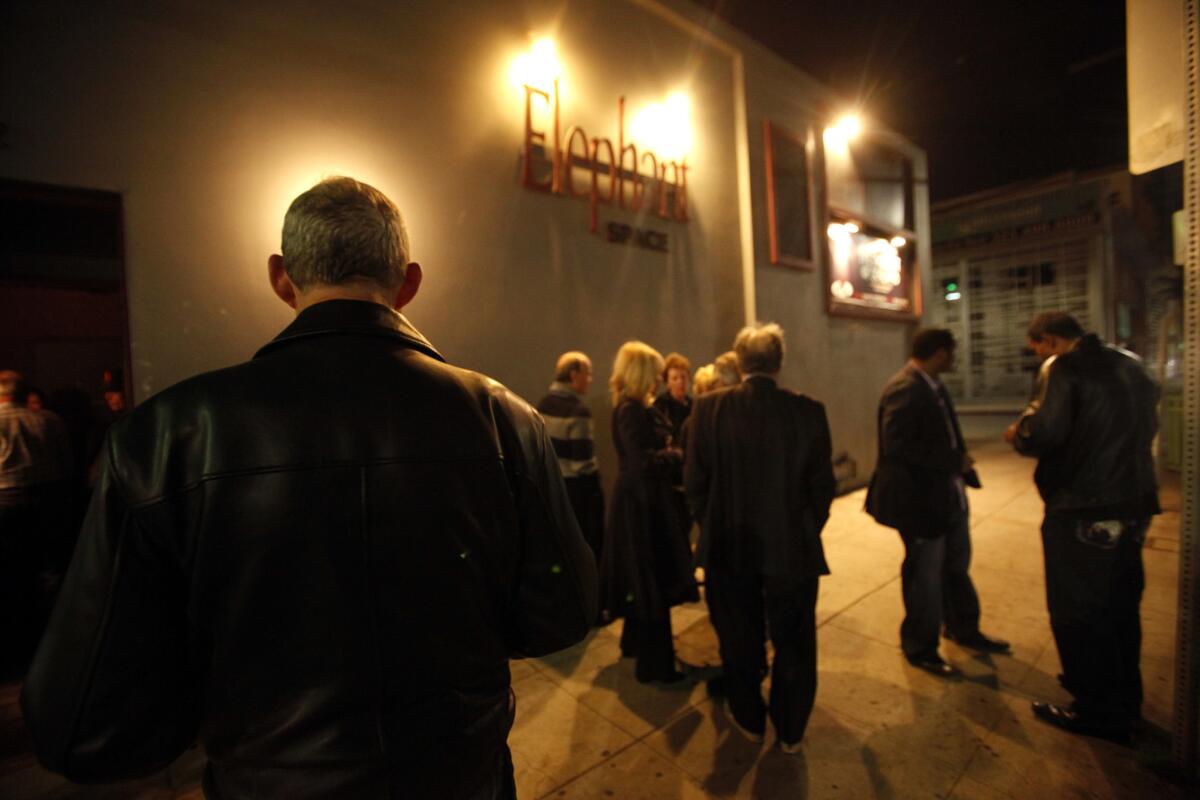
[(967, 463), (1010, 433)]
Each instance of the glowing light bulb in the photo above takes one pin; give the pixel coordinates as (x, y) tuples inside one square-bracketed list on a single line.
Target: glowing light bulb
[(665, 128), (537, 68)]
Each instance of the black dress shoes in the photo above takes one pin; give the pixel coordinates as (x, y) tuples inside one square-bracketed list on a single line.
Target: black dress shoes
[(1070, 720), (934, 665), (981, 643)]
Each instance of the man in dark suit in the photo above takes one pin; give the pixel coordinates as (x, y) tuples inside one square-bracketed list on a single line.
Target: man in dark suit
[(919, 488), (760, 480)]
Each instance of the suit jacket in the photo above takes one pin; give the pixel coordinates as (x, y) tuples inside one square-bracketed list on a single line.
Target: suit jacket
[(914, 487), (760, 479)]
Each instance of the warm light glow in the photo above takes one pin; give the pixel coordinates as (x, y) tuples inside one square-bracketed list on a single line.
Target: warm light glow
[(850, 126), (665, 128), (537, 68), (841, 242), (842, 132), (899, 241)]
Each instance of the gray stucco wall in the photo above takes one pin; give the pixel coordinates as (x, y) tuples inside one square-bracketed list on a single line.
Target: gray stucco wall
[(208, 119)]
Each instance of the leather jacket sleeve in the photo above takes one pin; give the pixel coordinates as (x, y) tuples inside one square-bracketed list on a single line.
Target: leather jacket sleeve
[(1046, 425), (110, 694), (555, 596)]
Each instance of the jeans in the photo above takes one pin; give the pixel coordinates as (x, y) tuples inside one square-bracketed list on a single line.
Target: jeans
[(937, 588), (1093, 593)]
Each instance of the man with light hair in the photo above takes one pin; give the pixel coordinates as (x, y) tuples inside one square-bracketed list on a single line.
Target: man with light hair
[(569, 423), (760, 481), (320, 561)]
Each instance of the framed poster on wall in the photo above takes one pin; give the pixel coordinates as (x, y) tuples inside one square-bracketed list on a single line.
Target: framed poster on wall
[(789, 196), (869, 232)]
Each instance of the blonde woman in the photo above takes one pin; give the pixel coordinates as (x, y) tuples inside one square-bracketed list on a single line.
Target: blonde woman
[(647, 567), (704, 380)]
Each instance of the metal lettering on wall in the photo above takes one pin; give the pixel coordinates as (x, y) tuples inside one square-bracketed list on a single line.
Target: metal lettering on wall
[(616, 175)]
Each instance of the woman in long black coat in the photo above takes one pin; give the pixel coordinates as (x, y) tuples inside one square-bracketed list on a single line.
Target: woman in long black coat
[(647, 566)]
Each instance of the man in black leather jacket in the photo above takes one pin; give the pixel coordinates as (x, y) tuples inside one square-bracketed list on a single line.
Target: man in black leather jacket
[(1091, 428), (319, 562)]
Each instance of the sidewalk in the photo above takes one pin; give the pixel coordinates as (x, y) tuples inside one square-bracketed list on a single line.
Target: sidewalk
[(586, 729)]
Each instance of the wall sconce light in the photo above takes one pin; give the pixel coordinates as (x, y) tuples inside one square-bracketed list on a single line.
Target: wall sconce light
[(538, 68)]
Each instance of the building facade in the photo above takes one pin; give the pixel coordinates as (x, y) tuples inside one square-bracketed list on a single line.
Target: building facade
[(573, 175), (1095, 245)]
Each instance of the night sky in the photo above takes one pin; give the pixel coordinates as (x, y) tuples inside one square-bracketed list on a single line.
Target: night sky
[(994, 92)]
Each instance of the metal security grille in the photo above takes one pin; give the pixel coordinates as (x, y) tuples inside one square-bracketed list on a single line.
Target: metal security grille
[(993, 299), (1187, 673)]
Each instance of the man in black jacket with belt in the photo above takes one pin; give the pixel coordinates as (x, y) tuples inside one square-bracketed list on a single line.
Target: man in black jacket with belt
[(320, 561), (1091, 428), (920, 488), (760, 480)]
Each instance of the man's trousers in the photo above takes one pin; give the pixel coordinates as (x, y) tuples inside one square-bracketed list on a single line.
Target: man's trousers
[(937, 588), (1093, 592), (587, 501), (743, 610)]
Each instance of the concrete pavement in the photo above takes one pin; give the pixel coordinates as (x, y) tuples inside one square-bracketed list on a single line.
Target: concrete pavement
[(586, 729)]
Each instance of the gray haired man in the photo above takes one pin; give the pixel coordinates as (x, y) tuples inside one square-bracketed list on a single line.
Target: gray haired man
[(569, 422), (760, 481), (318, 562)]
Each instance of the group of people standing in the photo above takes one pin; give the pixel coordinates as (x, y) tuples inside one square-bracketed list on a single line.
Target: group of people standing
[(752, 465), (1091, 424), (47, 448), (328, 594)]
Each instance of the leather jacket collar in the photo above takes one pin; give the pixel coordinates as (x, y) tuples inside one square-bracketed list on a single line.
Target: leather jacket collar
[(340, 317)]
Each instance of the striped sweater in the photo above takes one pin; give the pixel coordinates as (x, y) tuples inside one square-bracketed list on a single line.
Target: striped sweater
[(569, 423)]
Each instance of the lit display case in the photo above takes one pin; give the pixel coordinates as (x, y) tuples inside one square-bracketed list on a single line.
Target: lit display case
[(869, 233)]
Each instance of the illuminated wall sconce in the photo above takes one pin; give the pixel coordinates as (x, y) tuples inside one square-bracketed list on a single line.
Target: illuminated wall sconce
[(839, 135), (538, 68), (665, 128)]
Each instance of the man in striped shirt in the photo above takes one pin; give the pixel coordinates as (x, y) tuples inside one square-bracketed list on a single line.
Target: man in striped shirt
[(569, 423)]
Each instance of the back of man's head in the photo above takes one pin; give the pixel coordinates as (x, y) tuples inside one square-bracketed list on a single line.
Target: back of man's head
[(12, 386), (927, 342), (1054, 323), (759, 348), (342, 231), (569, 362)]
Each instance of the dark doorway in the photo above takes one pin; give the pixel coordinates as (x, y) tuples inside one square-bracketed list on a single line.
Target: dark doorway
[(63, 314)]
